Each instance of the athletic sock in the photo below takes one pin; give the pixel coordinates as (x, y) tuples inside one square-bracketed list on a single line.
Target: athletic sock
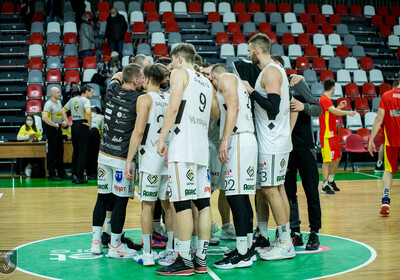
[(147, 242), (331, 178), (157, 224), (195, 243), (96, 233), (176, 244), (325, 183), (115, 239), (241, 244), (184, 249), (202, 249), (284, 232), (386, 192), (263, 226), (226, 225), (107, 226), (170, 243), (379, 163), (249, 240)]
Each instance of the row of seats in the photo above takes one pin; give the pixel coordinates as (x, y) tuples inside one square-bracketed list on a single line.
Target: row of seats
[(352, 123), (54, 27), (35, 91), (8, 8), (53, 76), (54, 62)]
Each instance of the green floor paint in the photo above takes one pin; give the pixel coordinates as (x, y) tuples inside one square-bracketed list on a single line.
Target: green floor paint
[(19, 182), (68, 258)]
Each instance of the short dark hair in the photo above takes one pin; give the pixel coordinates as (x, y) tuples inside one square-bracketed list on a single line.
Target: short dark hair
[(185, 50), (130, 72), (278, 58), (219, 68), (198, 59), (206, 64), (86, 88), (262, 41), (329, 84), (154, 73), (164, 60), (396, 84)]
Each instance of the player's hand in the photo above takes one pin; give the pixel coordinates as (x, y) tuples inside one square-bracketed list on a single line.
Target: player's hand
[(223, 151), (352, 113), (296, 105), (129, 171), (32, 136), (371, 147), (295, 79), (342, 104), (161, 148), (64, 124), (57, 126), (85, 123), (248, 86)]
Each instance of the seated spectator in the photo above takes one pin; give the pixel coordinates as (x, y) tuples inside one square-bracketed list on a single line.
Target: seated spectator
[(111, 67), (86, 36), (73, 91)]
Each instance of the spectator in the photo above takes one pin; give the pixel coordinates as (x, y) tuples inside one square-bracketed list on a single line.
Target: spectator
[(53, 10), (142, 60), (28, 12), (78, 6), (86, 36), (111, 67), (115, 31), (73, 91)]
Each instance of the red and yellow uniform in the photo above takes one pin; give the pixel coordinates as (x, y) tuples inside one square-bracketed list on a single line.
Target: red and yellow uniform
[(330, 147), (390, 102)]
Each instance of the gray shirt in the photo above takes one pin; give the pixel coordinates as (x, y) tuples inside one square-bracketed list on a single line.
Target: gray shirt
[(54, 110), (97, 122), (78, 105)]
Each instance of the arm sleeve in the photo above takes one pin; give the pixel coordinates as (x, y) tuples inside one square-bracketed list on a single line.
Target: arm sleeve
[(67, 106), (270, 103), (311, 105), (47, 108), (326, 103), (87, 104)]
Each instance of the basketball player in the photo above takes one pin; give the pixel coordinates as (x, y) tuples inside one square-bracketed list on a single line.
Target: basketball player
[(388, 116), (119, 122), (238, 154), (187, 117), (272, 118), (153, 174), (330, 148)]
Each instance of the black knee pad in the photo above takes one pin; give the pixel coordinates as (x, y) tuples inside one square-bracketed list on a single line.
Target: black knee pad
[(182, 205), (202, 203)]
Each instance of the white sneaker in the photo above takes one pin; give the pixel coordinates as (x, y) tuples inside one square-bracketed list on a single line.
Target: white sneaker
[(228, 232), (121, 251), (28, 170), (168, 259), (97, 247), (146, 259), (164, 253), (282, 250), (214, 227), (214, 241)]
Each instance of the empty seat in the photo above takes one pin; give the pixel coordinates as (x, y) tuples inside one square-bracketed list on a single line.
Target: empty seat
[(313, 9), (143, 49), (396, 30), (327, 10), (366, 64), (217, 27), (37, 27), (157, 38), (334, 19), (72, 76), (238, 38), (34, 92), (277, 50), (350, 64), (360, 77), (298, 9), (288, 39), (394, 41), (152, 16), (222, 38), (180, 8), (35, 50), (304, 40), (89, 62), (361, 105), (327, 51), (71, 63), (275, 18), (69, 27), (350, 40), (160, 50), (224, 7), (289, 18), (327, 29), (239, 7), (310, 76), (296, 28), (270, 7), (282, 28), (294, 51), (358, 52), (53, 26), (134, 6), (301, 63), (317, 89), (338, 92), (174, 38), (390, 20), (149, 6), (368, 91), (310, 51), (326, 74), (33, 106), (385, 31), (284, 8), (264, 27), (343, 77), (171, 26), (249, 27), (36, 39), (88, 74), (355, 11), (195, 8), (53, 38), (53, 76), (136, 16), (369, 119), (242, 50), (305, 18), (312, 28), (384, 87), (347, 106), (319, 40), (165, 6), (254, 8), (376, 21), (244, 17), (343, 30), (369, 11), (334, 40), (376, 77), (71, 50), (139, 28), (319, 19), (233, 27), (228, 17), (342, 52), (335, 64), (318, 64), (354, 123), (226, 51), (287, 63), (36, 63), (53, 62), (70, 38), (352, 91), (209, 7), (53, 50), (259, 18)]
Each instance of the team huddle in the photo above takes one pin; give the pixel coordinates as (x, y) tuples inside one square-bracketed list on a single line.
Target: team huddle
[(206, 133)]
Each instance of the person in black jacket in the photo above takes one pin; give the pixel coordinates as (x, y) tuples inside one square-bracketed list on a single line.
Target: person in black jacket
[(28, 12), (115, 31), (53, 10)]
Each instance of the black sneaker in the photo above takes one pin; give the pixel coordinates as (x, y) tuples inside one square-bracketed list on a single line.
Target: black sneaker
[(90, 177), (80, 181), (313, 241), (54, 178), (66, 177), (379, 169), (256, 233), (129, 242), (74, 178), (297, 238), (261, 242), (200, 266), (327, 190), (181, 266), (235, 260), (105, 239), (334, 187)]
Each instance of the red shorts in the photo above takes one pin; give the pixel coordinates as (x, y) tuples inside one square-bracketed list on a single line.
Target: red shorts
[(392, 158), (330, 149)]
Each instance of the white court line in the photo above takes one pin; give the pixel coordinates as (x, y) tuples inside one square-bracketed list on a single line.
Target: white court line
[(212, 274), (373, 176), (1, 194)]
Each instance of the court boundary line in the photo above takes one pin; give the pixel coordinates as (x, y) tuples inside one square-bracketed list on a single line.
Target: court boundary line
[(369, 175), (213, 274)]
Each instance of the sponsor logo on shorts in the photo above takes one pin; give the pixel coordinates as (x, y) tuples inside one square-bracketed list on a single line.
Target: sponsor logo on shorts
[(109, 104), (190, 192), (248, 187), (119, 189), (108, 111), (208, 175), (207, 189), (103, 187), (169, 179), (280, 178), (192, 119), (154, 143), (250, 171), (119, 176), (152, 179), (149, 194), (262, 165), (214, 173), (283, 163), (130, 188), (169, 191), (123, 109), (228, 173), (190, 175), (116, 139), (101, 173), (121, 115)]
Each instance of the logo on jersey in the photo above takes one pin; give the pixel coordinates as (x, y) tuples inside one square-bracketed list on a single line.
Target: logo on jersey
[(190, 175), (207, 189), (208, 175), (192, 119), (228, 172), (262, 165), (150, 194), (169, 179), (283, 163), (248, 187), (190, 192), (154, 143), (76, 107), (102, 187), (250, 171), (101, 173), (152, 179), (119, 176)]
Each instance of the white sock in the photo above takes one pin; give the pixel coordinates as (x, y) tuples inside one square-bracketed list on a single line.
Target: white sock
[(249, 240), (96, 233), (170, 242), (176, 244), (107, 226), (331, 177), (226, 225), (202, 249), (115, 239), (184, 249), (263, 227), (241, 244), (147, 243), (284, 232), (195, 243), (386, 192), (379, 163), (325, 183), (157, 224)]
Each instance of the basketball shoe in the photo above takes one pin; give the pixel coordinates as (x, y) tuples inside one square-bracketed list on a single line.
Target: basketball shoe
[(313, 242), (200, 265), (169, 258), (297, 238), (214, 241), (282, 250), (228, 232), (181, 266), (327, 190), (121, 251), (234, 260), (260, 243), (333, 186), (129, 242), (105, 239), (96, 248), (385, 206), (146, 259)]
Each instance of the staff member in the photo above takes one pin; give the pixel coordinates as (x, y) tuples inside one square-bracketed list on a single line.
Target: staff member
[(52, 117), (94, 139), (81, 124)]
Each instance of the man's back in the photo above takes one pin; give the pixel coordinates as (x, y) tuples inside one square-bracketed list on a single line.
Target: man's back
[(390, 102)]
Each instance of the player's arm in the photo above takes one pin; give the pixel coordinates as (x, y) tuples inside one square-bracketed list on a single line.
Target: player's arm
[(214, 107), (228, 88), (178, 80), (46, 119), (88, 112), (142, 110), (339, 112), (64, 111), (374, 131)]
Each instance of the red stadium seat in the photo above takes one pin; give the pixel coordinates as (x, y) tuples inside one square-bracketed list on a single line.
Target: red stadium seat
[(318, 64), (34, 92), (244, 17), (160, 50), (343, 133), (339, 121), (105, 49), (72, 76), (327, 29), (312, 9), (171, 26), (264, 27), (288, 39), (341, 10), (213, 17), (238, 38), (334, 19), (390, 20), (376, 21), (395, 11), (383, 11), (89, 62), (290, 71), (368, 91), (70, 38), (326, 74), (36, 63), (103, 16), (168, 16), (352, 91), (320, 19), (33, 106), (139, 28), (361, 105), (384, 88), (312, 28), (310, 51), (354, 144), (18, 11), (304, 40), (342, 52), (348, 104), (284, 8), (152, 16), (269, 8), (36, 38), (8, 8), (272, 37), (239, 7), (53, 50), (222, 38), (355, 11), (366, 64), (103, 6), (149, 6), (39, 17), (305, 18), (195, 8), (364, 133), (251, 35), (127, 37), (71, 62), (302, 63), (385, 31), (233, 27), (53, 76), (254, 8)]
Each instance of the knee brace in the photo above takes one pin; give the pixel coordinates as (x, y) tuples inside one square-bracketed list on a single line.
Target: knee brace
[(202, 203), (182, 205)]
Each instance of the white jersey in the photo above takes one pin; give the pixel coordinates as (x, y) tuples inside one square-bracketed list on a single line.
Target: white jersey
[(244, 122), (189, 134), (149, 161), (274, 136)]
